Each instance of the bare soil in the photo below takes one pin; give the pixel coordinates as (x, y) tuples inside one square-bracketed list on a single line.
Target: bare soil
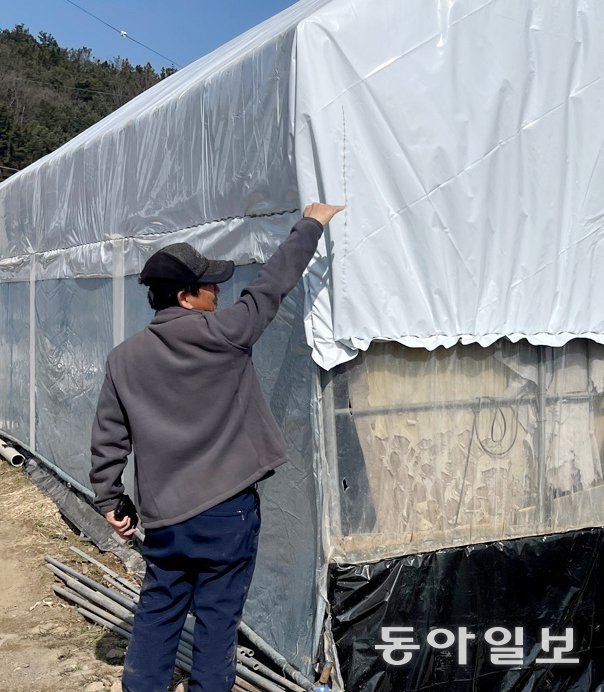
[(45, 644)]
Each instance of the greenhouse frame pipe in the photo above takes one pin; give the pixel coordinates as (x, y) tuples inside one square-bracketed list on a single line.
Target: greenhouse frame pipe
[(92, 595), (185, 650), (258, 680), (246, 686), (131, 606), (125, 582), (276, 657), (103, 621), (112, 616), (118, 586), (81, 601), (109, 617), (102, 599), (261, 669), (180, 662), (487, 402), (87, 581)]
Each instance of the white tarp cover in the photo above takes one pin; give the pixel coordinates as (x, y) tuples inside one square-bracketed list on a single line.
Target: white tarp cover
[(466, 139), (464, 136)]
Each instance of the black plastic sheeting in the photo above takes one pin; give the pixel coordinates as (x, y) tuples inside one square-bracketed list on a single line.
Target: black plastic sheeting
[(552, 582), (78, 511)]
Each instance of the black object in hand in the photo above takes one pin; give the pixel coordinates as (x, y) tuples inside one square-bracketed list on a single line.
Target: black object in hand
[(126, 508)]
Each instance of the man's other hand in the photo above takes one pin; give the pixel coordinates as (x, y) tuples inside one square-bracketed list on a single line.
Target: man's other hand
[(323, 213), (121, 527)]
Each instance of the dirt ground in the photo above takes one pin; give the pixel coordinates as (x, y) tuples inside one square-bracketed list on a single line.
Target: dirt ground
[(45, 644)]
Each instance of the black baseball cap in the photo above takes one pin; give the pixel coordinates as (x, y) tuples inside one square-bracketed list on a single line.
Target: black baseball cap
[(180, 264)]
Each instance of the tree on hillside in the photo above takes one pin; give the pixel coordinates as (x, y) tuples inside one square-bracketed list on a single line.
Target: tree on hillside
[(49, 94)]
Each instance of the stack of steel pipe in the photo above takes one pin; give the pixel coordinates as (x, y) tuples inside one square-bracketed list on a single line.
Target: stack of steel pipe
[(114, 606)]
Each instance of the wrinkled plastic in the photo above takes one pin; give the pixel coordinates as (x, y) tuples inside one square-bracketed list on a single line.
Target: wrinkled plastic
[(205, 151), (553, 582), (464, 445), (472, 213), (81, 514), (464, 137), (14, 359), (73, 337)]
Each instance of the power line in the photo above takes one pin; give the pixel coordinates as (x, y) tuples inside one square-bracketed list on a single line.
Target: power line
[(122, 33)]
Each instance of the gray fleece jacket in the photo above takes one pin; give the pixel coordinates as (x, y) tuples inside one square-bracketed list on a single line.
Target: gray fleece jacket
[(184, 394)]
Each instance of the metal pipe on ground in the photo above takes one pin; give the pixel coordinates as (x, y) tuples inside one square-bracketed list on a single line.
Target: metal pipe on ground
[(115, 584), (101, 612), (125, 582), (118, 610), (182, 664), (182, 660), (91, 594), (64, 572), (246, 686), (258, 680), (111, 593), (276, 657), (267, 672)]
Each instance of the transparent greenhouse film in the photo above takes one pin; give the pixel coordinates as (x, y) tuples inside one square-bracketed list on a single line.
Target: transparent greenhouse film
[(73, 336), (465, 445), (14, 359)]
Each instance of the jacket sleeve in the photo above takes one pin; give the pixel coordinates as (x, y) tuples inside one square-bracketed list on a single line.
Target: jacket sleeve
[(242, 324), (110, 446)]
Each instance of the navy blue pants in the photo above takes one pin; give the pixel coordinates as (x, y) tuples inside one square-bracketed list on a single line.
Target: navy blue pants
[(204, 563)]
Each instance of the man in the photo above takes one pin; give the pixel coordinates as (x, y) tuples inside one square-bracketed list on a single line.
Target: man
[(183, 393)]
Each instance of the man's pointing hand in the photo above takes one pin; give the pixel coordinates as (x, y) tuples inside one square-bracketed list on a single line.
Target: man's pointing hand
[(323, 213)]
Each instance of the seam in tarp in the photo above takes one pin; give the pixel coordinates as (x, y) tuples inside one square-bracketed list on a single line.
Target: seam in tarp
[(7, 260)]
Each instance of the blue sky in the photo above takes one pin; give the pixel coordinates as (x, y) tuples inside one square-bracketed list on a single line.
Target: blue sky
[(182, 30)]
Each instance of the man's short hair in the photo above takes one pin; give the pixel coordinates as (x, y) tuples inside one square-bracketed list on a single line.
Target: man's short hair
[(165, 295)]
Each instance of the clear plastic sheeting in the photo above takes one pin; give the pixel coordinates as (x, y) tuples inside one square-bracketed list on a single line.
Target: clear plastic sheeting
[(206, 148), (73, 336), (465, 138), (283, 604), (14, 359), (471, 213), (465, 445)]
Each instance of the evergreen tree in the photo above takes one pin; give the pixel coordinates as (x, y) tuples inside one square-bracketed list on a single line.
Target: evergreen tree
[(49, 94)]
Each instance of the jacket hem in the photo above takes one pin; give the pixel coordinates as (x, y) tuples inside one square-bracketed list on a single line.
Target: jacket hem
[(256, 476)]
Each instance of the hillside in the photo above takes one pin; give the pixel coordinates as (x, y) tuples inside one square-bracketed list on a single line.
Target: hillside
[(49, 94)]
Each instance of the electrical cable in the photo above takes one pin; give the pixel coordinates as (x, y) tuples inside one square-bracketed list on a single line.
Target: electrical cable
[(474, 433), (122, 33)]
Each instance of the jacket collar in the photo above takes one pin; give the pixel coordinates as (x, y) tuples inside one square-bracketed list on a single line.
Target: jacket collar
[(169, 314)]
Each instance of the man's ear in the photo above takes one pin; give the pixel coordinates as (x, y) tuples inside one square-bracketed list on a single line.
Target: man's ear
[(182, 297)]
